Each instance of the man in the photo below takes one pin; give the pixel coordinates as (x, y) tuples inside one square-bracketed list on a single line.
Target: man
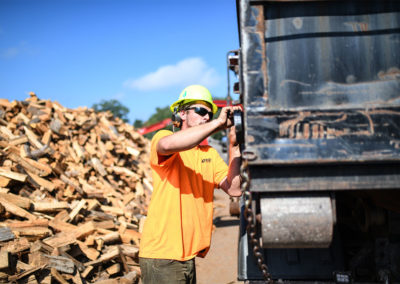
[(179, 220)]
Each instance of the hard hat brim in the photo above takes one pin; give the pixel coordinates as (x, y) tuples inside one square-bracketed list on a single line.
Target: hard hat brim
[(186, 101)]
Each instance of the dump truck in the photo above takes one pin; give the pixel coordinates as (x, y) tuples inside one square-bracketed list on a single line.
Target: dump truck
[(319, 82)]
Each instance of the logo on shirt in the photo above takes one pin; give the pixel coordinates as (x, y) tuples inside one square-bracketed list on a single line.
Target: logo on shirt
[(206, 160)]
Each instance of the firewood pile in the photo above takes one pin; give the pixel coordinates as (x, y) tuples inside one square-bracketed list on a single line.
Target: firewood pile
[(74, 187)]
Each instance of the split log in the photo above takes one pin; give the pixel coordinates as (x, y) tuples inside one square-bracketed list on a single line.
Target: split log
[(112, 210), (32, 233), (16, 210), (107, 281), (40, 246), (4, 260), (17, 200), (87, 271), (23, 266), (112, 253), (113, 269), (91, 253), (58, 276), (129, 278), (23, 224), (39, 182), (85, 230), (77, 263), (61, 226), (61, 263), (128, 235), (17, 245), (98, 166), (18, 140), (4, 181), (76, 209), (60, 239), (50, 206), (13, 175), (110, 237), (129, 250), (16, 277), (25, 164)]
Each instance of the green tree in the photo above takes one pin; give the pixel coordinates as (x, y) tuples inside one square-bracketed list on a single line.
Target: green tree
[(159, 115), (114, 106), (138, 123)]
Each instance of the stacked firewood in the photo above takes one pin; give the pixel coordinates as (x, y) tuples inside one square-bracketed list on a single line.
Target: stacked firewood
[(74, 187)]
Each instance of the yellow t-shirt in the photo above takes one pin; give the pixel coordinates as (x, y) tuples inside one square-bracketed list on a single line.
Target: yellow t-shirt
[(179, 220)]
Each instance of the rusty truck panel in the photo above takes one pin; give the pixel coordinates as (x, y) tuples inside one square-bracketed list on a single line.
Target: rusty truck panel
[(321, 81)]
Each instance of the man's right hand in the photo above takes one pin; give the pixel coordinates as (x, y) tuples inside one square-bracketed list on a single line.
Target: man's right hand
[(226, 116)]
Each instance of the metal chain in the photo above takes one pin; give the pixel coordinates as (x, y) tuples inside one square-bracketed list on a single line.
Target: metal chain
[(251, 227)]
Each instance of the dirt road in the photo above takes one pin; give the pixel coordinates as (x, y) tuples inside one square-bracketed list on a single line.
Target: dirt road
[(220, 264)]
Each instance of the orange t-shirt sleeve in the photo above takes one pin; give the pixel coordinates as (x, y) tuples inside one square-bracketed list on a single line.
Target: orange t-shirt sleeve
[(154, 157)]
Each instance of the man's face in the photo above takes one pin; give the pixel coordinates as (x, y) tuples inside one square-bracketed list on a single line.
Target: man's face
[(198, 113)]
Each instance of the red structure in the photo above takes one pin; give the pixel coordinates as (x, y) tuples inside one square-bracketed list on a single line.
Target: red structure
[(155, 126)]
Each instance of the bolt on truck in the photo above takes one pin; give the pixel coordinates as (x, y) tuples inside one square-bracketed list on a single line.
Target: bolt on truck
[(319, 82)]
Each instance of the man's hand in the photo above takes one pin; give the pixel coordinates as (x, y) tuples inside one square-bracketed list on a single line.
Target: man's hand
[(226, 116)]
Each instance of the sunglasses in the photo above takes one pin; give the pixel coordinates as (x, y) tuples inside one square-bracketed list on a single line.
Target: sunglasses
[(201, 111)]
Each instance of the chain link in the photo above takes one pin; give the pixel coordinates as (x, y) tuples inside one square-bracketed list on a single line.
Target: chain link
[(251, 227)]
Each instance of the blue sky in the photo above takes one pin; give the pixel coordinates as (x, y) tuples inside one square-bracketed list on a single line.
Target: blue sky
[(142, 53)]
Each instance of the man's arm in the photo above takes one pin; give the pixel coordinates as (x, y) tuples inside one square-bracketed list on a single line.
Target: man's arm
[(231, 184), (190, 137), (186, 139)]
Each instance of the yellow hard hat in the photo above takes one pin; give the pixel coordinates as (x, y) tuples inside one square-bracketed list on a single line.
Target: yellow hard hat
[(194, 93)]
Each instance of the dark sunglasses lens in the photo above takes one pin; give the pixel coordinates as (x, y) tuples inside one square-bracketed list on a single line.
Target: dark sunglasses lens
[(202, 111)]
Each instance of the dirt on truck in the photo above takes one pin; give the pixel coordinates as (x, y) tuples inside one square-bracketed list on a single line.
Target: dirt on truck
[(319, 82)]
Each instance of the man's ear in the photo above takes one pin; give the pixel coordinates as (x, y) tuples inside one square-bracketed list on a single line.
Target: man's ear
[(176, 119), (183, 114)]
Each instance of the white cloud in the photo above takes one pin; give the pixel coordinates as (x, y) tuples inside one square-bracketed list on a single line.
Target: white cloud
[(188, 71), (21, 48), (10, 52)]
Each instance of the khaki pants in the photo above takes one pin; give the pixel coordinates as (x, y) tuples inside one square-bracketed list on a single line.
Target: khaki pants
[(167, 271)]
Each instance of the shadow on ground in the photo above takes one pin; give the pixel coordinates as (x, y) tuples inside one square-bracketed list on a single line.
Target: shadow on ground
[(219, 222)]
